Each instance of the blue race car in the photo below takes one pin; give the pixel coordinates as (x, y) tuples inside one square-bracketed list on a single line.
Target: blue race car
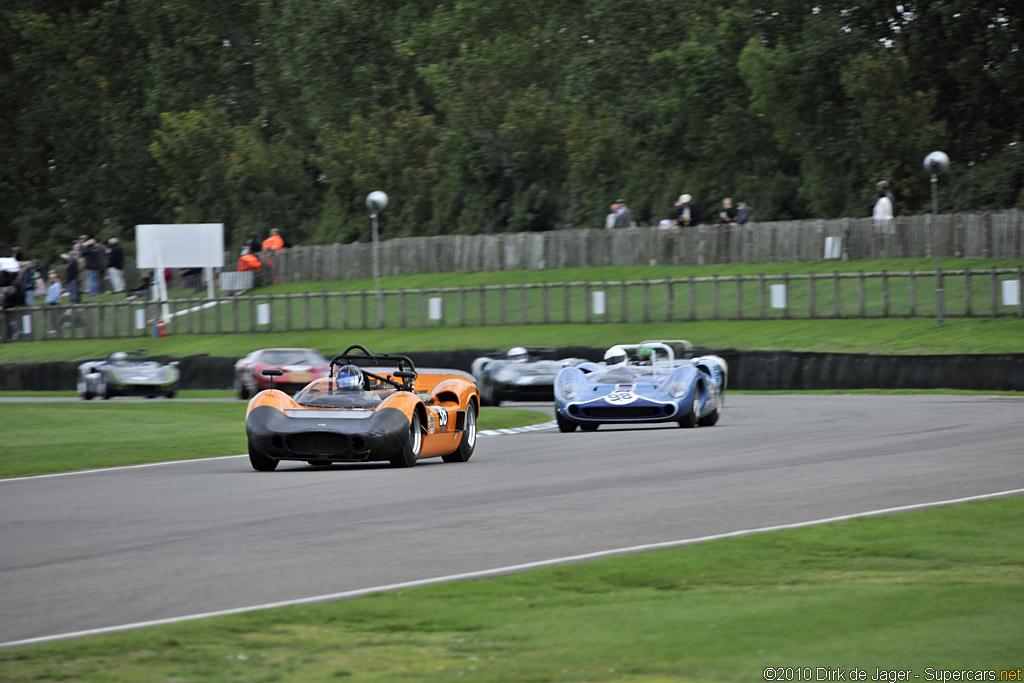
[(654, 381)]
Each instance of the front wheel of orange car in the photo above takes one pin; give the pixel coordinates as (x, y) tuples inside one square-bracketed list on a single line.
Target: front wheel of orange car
[(468, 443), (410, 452), (260, 462)]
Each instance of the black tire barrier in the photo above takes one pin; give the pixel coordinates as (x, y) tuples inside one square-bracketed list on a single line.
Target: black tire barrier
[(750, 370)]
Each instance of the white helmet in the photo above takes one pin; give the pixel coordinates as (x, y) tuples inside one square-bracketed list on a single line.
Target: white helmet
[(616, 355), (349, 377), (518, 354), (119, 356)]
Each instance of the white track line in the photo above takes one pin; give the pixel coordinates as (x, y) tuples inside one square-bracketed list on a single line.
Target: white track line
[(488, 432), (500, 571), (121, 467)]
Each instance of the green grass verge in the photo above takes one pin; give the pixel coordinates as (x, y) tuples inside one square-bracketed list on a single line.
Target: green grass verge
[(80, 436), (936, 590), (869, 335), (883, 336)]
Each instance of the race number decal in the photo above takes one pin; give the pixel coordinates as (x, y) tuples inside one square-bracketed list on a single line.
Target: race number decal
[(442, 417), (621, 397)]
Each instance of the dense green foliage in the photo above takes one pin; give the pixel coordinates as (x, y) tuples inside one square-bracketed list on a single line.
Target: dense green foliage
[(480, 117)]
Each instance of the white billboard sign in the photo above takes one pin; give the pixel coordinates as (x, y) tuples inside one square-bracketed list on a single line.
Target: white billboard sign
[(180, 245)]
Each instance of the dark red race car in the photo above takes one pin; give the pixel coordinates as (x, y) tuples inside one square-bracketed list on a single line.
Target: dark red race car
[(299, 368)]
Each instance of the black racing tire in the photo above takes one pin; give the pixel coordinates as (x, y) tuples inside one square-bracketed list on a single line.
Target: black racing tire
[(241, 389), (108, 393), (565, 424), (261, 462), (410, 452), (691, 419), (468, 443), (589, 426), (489, 396), (171, 393), (711, 419), (88, 393)]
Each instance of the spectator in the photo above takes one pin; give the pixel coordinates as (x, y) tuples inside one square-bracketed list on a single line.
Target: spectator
[(27, 278), (53, 292), (609, 220), (728, 214), (883, 210), (742, 211), (93, 265), (686, 213), (275, 242), (249, 261), (623, 218), (14, 298), (253, 244), (115, 265), (71, 275), (16, 253)]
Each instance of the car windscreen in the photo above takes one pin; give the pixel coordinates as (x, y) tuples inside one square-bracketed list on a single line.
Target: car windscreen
[(285, 357)]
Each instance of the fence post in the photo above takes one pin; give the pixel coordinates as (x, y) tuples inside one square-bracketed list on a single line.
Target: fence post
[(837, 295), (810, 292), (995, 295), (739, 297), (523, 315), (544, 303), (967, 292), (325, 311), (504, 308), (669, 299), (693, 300), (911, 294), (624, 300), (586, 301), (1020, 291), (462, 306), (885, 293), (760, 296), (714, 297), (566, 309), (482, 304), (785, 309), (645, 288), (860, 295)]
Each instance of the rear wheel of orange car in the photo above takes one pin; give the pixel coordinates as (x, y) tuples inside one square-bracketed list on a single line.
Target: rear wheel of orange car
[(261, 462), (410, 452), (468, 443)]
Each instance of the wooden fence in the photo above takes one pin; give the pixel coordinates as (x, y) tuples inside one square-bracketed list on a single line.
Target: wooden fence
[(968, 293), (997, 235)]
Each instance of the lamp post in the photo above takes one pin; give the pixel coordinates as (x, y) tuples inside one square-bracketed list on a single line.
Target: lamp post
[(376, 202), (936, 163)]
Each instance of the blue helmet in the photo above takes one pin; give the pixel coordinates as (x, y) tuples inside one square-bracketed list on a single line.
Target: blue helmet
[(349, 377)]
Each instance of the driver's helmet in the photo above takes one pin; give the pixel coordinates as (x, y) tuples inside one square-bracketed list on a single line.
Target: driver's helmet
[(119, 356), (616, 355), (349, 377), (518, 354)]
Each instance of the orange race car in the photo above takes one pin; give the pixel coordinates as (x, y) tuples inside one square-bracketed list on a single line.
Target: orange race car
[(371, 407)]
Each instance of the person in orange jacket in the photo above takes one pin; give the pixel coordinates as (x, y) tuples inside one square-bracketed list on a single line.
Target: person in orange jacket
[(274, 242), (249, 261), (272, 245)]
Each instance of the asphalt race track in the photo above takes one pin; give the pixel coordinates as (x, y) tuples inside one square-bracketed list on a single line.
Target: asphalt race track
[(115, 547)]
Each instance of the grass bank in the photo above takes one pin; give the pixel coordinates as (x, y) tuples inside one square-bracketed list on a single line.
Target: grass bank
[(929, 591)]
